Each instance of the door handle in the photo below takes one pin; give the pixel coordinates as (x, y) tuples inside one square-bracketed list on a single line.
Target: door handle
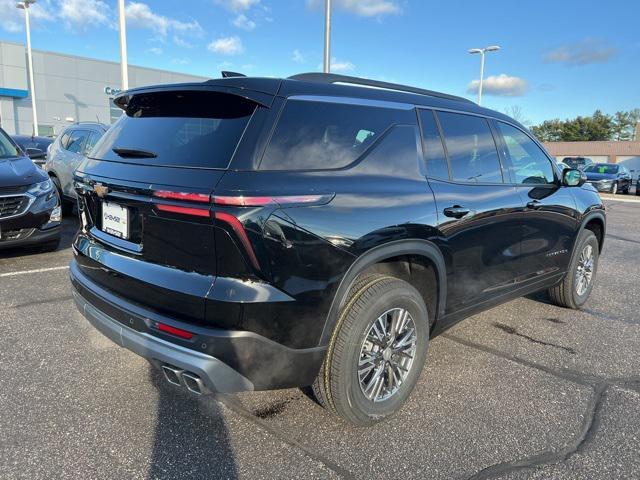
[(534, 204), (456, 211)]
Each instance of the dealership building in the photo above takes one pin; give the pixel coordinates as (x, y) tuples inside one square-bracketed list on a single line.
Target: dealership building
[(69, 89)]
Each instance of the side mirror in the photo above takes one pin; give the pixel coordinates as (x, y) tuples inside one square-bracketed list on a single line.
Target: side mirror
[(35, 153), (572, 177)]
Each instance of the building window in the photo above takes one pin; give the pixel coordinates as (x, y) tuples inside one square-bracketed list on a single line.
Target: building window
[(45, 130), (114, 111)]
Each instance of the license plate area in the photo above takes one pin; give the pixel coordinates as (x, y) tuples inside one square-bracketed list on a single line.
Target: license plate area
[(115, 220)]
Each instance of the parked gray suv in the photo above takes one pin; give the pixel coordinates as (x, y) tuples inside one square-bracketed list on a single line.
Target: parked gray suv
[(66, 153)]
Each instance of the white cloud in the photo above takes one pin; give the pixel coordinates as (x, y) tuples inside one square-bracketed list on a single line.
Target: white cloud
[(181, 61), (364, 8), (237, 5), (140, 15), (155, 50), (297, 56), (226, 46), (243, 22), (581, 53), (81, 14), (500, 85), (339, 66), (181, 42)]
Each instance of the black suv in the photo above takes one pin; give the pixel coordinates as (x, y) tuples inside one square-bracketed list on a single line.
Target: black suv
[(254, 233)]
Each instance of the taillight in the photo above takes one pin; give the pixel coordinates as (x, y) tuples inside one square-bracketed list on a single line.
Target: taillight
[(192, 197), (178, 332), (241, 233), (261, 201)]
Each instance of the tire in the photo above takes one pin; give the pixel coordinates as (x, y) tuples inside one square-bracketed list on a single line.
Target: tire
[(381, 300), (65, 206), (569, 292)]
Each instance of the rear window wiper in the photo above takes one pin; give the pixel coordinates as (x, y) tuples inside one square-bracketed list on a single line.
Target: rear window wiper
[(133, 153)]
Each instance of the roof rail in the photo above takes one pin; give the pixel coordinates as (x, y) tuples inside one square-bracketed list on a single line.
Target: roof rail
[(345, 79)]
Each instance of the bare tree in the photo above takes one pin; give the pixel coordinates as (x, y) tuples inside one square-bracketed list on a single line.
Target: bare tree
[(516, 112)]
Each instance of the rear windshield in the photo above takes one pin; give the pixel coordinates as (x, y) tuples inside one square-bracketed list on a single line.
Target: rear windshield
[(178, 128), (7, 148), (608, 169)]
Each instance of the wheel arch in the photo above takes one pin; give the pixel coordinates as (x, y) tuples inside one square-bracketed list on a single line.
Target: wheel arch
[(421, 248), (597, 223)]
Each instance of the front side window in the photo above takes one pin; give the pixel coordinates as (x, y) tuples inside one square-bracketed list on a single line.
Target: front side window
[(472, 151), (75, 144), (529, 164), (91, 141), (321, 135)]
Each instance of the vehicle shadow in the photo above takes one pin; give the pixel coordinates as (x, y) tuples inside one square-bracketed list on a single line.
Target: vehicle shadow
[(70, 224), (191, 439)]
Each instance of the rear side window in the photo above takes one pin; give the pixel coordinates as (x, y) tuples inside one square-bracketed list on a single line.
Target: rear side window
[(320, 135), (434, 151), (472, 151), (197, 129), (91, 141)]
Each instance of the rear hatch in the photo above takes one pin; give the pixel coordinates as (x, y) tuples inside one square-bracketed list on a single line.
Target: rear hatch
[(147, 232)]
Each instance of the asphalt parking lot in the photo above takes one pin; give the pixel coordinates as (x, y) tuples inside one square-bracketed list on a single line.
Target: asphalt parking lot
[(525, 390)]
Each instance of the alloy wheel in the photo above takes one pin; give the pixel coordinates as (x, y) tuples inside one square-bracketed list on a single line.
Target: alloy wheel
[(584, 272), (387, 354)]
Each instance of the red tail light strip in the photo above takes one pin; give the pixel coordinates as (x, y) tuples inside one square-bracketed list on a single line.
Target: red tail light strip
[(193, 197), (178, 332), (198, 212), (242, 201), (239, 230)]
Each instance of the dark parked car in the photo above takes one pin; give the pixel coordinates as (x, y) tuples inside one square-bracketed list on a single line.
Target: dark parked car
[(254, 233), (66, 153), (579, 163), (29, 205), (34, 147), (609, 177)]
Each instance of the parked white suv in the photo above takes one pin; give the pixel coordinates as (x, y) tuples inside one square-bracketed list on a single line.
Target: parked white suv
[(66, 153)]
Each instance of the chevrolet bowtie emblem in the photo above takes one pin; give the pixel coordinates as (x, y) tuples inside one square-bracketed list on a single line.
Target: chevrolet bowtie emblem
[(100, 190)]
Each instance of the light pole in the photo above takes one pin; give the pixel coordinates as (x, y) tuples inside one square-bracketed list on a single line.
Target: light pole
[(327, 37), (124, 69), (482, 51), (24, 5)]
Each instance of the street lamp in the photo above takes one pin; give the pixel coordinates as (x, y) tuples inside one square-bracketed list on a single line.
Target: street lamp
[(327, 37), (124, 71), (482, 51), (24, 5)]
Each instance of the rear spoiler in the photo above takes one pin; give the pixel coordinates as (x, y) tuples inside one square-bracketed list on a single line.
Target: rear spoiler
[(260, 98)]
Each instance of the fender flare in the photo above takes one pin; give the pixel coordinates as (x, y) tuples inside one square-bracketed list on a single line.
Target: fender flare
[(599, 214), (376, 254)]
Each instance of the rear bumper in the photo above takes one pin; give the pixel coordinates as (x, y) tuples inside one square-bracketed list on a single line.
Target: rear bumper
[(225, 360)]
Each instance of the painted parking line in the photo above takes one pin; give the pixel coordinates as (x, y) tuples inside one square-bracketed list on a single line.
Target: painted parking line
[(37, 270), (621, 200)]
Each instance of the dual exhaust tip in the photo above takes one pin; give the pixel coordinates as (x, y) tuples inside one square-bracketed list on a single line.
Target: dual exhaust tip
[(179, 377)]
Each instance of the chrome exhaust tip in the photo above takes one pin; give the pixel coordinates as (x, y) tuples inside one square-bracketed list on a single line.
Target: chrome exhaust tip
[(172, 375), (193, 383)]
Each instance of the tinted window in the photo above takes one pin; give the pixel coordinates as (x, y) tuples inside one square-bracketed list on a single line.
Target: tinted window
[(319, 135), (529, 164), (396, 154), (7, 148), (436, 162), (76, 140), (179, 128), (91, 141), (472, 151)]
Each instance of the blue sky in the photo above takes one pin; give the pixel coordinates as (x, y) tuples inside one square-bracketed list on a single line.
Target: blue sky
[(558, 59)]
